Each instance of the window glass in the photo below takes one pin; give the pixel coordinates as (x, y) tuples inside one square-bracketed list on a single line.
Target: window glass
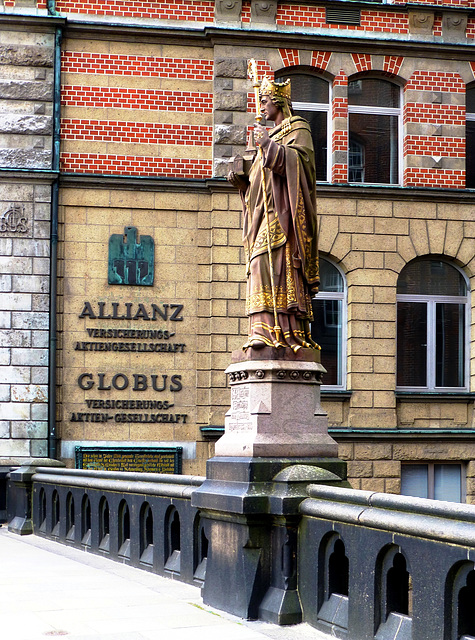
[(432, 303), (448, 482), (306, 87), (415, 480), (318, 124), (330, 278), (431, 277), (377, 137), (373, 92), (470, 155), (437, 481), (449, 345), (411, 344), (328, 325), (356, 161), (470, 100), (373, 125)]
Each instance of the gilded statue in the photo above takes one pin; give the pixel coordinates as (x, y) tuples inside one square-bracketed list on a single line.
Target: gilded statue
[(280, 224)]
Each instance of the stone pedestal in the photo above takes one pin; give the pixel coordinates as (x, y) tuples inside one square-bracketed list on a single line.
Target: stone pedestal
[(275, 406), (250, 508), (275, 444)]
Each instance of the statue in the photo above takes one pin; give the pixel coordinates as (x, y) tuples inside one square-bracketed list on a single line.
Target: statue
[(280, 224)]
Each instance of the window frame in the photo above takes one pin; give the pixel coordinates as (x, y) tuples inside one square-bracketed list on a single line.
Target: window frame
[(469, 117), (321, 107), (381, 111), (343, 296), (431, 476), (431, 302)]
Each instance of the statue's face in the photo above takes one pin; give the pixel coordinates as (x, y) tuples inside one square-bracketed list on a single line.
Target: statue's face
[(269, 109)]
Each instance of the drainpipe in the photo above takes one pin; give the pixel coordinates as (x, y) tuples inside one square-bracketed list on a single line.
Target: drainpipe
[(52, 439)]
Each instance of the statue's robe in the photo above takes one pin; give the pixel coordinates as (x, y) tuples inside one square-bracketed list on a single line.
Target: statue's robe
[(289, 178)]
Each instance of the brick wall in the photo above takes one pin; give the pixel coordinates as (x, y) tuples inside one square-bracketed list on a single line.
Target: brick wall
[(432, 147), (189, 10), (136, 114)]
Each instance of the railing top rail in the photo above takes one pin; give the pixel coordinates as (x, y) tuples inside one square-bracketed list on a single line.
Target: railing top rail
[(152, 484), (437, 520), (162, 478)]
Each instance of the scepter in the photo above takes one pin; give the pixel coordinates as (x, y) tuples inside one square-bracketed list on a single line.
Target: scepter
[(252, 74)]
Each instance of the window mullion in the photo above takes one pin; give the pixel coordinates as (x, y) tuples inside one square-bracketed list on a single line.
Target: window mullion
[(430, 481), (431, 344), (380, 111)]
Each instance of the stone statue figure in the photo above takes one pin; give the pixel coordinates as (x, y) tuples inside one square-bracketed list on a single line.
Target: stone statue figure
[(280, 225)]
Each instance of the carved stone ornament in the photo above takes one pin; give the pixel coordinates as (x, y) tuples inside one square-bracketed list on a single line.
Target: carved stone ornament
[(263, 11), (14, 220), (228, 10), (454, 25), (421, 21)]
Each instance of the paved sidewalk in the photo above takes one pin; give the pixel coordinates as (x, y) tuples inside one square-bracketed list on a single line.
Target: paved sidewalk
[(50, 590)]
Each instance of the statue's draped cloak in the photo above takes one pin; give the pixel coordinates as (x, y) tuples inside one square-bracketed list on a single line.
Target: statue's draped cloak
[(289, 176)]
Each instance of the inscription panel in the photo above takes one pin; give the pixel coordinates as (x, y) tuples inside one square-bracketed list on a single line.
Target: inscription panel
[(133, 459), (239, 419)]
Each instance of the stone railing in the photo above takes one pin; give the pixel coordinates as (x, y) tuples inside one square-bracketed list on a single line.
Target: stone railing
[(374, 565), (142, 519), (353, 564)]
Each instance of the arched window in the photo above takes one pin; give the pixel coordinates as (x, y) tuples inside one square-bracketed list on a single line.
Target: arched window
[(374, 121), (432, 320), (311, 100), (329, 324), (470, 139)]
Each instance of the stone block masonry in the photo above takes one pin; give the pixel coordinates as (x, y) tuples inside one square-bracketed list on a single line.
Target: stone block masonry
[(24, 322), (26, 130)]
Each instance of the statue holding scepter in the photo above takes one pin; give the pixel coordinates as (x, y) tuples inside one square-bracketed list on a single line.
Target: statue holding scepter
[(280, 224)]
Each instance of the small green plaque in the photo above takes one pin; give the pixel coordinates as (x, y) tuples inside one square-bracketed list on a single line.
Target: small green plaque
[(131, 262), (134, 459)]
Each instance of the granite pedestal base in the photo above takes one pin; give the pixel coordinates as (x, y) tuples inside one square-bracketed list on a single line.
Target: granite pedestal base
[(275, 406)]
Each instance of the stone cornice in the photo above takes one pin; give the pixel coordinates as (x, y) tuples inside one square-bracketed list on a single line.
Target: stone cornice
[(335, 40), (401, 434), (213, 185), (9, 20)]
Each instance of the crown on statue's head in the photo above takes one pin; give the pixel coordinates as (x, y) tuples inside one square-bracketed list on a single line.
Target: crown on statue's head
[(270, 88)]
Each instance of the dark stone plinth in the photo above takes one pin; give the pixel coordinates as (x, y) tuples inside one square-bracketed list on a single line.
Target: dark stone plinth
[(250, 508), (260, 485)]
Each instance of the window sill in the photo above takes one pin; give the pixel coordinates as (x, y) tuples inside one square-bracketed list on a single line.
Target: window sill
[(438, 396), (212, 432), (335, 395), (391, 192)]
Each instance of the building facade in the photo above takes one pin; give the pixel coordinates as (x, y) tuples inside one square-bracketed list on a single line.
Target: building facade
[(122, 266)]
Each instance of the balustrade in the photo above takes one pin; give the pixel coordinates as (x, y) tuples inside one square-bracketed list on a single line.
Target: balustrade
[(145, 520), (383, 567), (367, 566)]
